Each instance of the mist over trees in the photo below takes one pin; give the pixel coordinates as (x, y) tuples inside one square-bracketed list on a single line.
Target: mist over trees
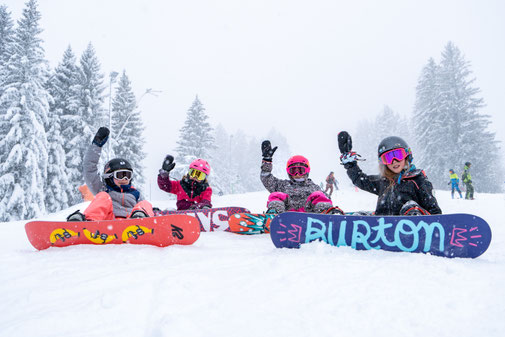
[(49, 116), (235, 159), (371, 132), (127, 140), (446, 128), (196, 138), (449, 127), (24, 107)]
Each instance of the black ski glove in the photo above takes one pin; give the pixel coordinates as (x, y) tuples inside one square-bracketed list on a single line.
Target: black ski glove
[(268, 152), (101, 136), (168, 163), (348, 157), (344, 142)]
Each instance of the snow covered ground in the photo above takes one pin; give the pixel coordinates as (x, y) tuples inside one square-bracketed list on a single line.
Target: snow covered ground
[(232, 285)]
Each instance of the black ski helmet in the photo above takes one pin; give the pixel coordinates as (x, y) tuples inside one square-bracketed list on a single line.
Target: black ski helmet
[(117, 164), (114, 165), (391, 143), (468, 163)]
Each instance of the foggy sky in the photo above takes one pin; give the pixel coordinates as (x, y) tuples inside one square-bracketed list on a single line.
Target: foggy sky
[(307, 68)]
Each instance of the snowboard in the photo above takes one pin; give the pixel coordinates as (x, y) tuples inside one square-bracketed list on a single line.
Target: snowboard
[(159, 231), (250, 223), (211, 219), (447, 235)]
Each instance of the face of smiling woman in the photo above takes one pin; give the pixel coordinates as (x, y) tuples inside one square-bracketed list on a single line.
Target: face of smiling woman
[(396, 166)]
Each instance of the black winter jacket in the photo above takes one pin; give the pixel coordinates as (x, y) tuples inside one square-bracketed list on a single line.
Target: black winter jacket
[(414, 185)]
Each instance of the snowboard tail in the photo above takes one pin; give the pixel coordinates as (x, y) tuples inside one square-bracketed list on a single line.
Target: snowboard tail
[(250, 223), (210, 219), (448, 235), (157, 231)]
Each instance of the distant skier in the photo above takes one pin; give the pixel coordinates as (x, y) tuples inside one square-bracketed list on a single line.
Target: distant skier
[(402, 189), (330, 182), (298, 193), (193, 190), (467, 180), (115, 197), (454, 183)]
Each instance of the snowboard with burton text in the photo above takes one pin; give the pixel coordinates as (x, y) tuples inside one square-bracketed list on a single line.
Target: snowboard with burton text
[(447, 235)]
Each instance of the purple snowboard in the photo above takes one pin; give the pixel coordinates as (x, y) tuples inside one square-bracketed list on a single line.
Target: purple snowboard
[(447, 235), (211, 219)]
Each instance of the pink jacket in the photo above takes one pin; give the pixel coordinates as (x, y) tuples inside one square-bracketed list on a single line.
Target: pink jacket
[(190, 193)]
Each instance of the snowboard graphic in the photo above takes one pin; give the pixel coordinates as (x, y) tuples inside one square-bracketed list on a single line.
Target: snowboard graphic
[(250, 223), (159, 231), (211, 219), (448, 235)]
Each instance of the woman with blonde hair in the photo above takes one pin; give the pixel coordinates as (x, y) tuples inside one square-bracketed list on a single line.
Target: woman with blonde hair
[(402, 188)]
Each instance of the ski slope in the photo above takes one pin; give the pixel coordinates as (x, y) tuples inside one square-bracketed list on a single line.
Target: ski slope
[(231, 285)]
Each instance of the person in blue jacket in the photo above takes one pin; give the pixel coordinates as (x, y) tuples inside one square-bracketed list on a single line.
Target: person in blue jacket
[(455, 183)]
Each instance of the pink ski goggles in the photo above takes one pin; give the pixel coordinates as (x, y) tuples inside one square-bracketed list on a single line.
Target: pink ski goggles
[(398, 154), (298, 170)]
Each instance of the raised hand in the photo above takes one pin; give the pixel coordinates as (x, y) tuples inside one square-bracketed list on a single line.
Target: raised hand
[(168, 163), (344, 142), (268, 152), (349, 157), (101, 136)]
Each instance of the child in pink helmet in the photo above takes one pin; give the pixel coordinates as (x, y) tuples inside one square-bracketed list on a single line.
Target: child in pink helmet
[(193, 190), (298, 193)]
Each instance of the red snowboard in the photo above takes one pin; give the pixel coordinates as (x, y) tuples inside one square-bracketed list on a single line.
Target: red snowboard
[(158, 231)]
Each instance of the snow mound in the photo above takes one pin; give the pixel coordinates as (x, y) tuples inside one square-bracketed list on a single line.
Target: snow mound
[(232, 285)]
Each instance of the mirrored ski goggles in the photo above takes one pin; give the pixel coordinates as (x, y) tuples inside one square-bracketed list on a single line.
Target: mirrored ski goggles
[(120, 174), (198, 175), (398, 154), (298, 170)]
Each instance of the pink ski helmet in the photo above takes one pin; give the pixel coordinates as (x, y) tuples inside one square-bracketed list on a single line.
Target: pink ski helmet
[(298, 164), (200, 165)]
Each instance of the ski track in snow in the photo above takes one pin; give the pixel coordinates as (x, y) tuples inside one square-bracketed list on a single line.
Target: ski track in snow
[(232, 285)]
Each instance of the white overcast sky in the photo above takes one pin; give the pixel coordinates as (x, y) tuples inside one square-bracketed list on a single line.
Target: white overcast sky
[(308, 68)]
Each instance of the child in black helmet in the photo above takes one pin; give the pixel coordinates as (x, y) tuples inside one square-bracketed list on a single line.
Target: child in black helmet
[(402, 189), (115, 197)]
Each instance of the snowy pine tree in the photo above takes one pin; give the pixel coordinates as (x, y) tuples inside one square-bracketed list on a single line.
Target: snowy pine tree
[(429, 123), (6, 37), (244, 164), (127, 127), (449, 128), (24, 105), (6, 34), (56, 184), (222, 171), (236, 161), (467, 127), (88, 114), (196, 140), (63, 88)]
